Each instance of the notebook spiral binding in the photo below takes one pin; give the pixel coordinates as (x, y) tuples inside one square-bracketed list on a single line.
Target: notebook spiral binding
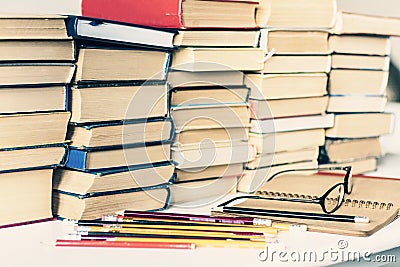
[(347, 202)]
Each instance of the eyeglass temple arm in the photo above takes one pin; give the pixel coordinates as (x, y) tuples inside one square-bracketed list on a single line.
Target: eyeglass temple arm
[(346, 168)]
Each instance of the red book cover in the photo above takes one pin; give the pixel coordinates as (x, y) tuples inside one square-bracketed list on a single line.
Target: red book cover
[(151, 13)]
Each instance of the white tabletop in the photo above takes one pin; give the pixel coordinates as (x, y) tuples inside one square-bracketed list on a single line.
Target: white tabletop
[(28, 245)]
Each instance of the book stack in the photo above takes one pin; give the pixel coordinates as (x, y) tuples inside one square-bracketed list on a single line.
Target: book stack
[(289, 95), (209, 102), (119, 155), (36, 57), (358, 81)]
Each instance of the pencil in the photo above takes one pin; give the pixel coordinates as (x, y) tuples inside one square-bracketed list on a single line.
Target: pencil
[(124, 244)]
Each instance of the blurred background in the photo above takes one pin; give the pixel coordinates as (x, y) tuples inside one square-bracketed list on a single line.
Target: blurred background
[(390, 8)]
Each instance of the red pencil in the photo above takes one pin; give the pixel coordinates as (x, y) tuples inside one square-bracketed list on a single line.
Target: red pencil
[(122, 244)]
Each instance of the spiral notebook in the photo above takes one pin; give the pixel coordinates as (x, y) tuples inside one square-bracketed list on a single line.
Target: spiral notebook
[(375, 197)]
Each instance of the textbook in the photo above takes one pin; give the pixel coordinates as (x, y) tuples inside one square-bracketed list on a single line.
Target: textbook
[(302, 14), (345, 150), (360, 44), (96, 159), (218, 59), (287, 42), (229, 170), (83, 183), (291, 107), (37, 50), (217, 38), (291, 64), (92, 206), (362, 62), (118, 101), (114, 133), (178, 14), (31, 157), (94, 64), (19, 130), (204, 78), (292, 124), (358, 125), (279, 86), (32, 27), (22, 189), (349, 81), (114, 32), (210, 95), (356, 103), (30, 98), (286, 141), (352, 23), (13, 74), (380, 206)]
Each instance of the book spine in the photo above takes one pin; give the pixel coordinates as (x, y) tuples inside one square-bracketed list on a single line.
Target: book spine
[(151, 13), (75, 159)]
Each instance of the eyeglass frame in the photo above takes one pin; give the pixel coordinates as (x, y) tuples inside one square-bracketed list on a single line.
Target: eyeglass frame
[(319, 200)]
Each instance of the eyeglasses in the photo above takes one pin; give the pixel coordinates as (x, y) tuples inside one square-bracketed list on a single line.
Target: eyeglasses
[(329, 202)]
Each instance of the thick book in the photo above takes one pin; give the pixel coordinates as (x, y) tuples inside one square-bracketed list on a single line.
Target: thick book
[(92, 206), (217, 38), (292, 124), (22, 74), (210, 95), (218, 59), (291, 107), (210, 117), (349, 81), (118, 101), (284, 157), (291, 64), (217, 135), (356, 103), (115, 133), (100, 158), (252, 180), (346, 150), (353, 23), (19, 130), (212, 154), (380, 206), (360, 125), (360, 44), (26, 99), (23, 189), (291, 85), (286, 141), (358, 166), (302, 14), (37, 50), (178, 13), (32, 27), (31, 157), (362, 62), (114, 32), (204, 78), (127, 64), (297, 42), (202, 191), (84, 183), (218, 171)]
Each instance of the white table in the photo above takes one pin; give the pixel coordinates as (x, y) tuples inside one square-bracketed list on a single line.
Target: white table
[(22, 246)]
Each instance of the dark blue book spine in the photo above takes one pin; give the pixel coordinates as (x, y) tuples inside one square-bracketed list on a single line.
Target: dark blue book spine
[(76, 159)]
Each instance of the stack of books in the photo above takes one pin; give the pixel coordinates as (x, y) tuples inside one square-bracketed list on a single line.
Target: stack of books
[(358, 81), (119, 154), (209, 103), (36, 57), (289, 95)]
